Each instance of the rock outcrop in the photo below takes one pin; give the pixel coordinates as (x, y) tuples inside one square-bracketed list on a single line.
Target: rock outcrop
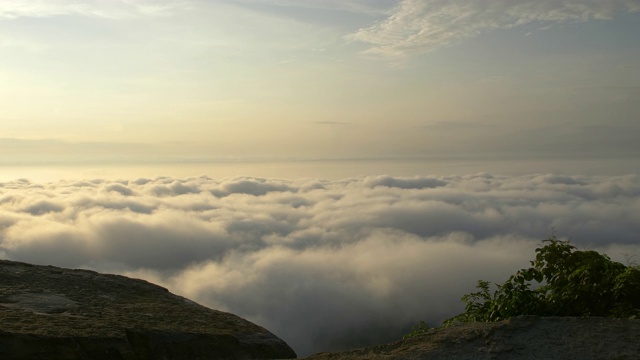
[(54, 313), (527, 337)]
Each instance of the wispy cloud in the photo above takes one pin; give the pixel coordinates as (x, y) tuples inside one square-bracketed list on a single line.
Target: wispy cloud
[(317, 261), (423, 25)]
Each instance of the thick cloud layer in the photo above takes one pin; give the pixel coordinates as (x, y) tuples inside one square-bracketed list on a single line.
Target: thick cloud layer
[(323, 264), (420, 25)]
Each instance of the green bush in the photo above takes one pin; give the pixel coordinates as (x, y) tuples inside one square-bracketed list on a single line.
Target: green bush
[(418, 329), (569, 283)]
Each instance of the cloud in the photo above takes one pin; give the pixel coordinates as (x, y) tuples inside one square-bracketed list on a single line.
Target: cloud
[(42, 207), (325, 264), (254, 187), (404, 183), (423, 25)]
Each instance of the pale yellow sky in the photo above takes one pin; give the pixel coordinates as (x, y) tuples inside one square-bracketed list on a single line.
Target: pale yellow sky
[(307, 79)]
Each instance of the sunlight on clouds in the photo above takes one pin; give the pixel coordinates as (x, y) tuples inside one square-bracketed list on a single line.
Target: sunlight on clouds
[(384, 280)]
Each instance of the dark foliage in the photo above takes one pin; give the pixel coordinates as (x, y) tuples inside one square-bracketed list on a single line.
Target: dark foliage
[(568, 282)]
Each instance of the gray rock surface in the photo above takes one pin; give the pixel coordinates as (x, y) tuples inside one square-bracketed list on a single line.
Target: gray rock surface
[(54, 313), (527, 337)]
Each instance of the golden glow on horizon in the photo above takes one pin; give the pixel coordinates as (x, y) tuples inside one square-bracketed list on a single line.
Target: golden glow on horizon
[(243, 79)]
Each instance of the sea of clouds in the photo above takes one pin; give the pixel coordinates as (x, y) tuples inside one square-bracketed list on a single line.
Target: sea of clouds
[(324, 264)]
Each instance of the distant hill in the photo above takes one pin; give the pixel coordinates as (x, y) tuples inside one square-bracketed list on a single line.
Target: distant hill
[(525, 337), (55, 313)]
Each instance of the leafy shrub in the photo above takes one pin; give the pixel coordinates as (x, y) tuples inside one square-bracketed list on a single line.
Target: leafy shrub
[(420, 328), (569, 283)]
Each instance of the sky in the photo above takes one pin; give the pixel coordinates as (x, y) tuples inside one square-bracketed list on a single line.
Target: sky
[(335, 171), (192, 80)]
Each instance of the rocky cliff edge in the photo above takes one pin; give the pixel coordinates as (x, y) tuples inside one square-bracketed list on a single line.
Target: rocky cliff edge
[(525, 337), (48, 312)]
